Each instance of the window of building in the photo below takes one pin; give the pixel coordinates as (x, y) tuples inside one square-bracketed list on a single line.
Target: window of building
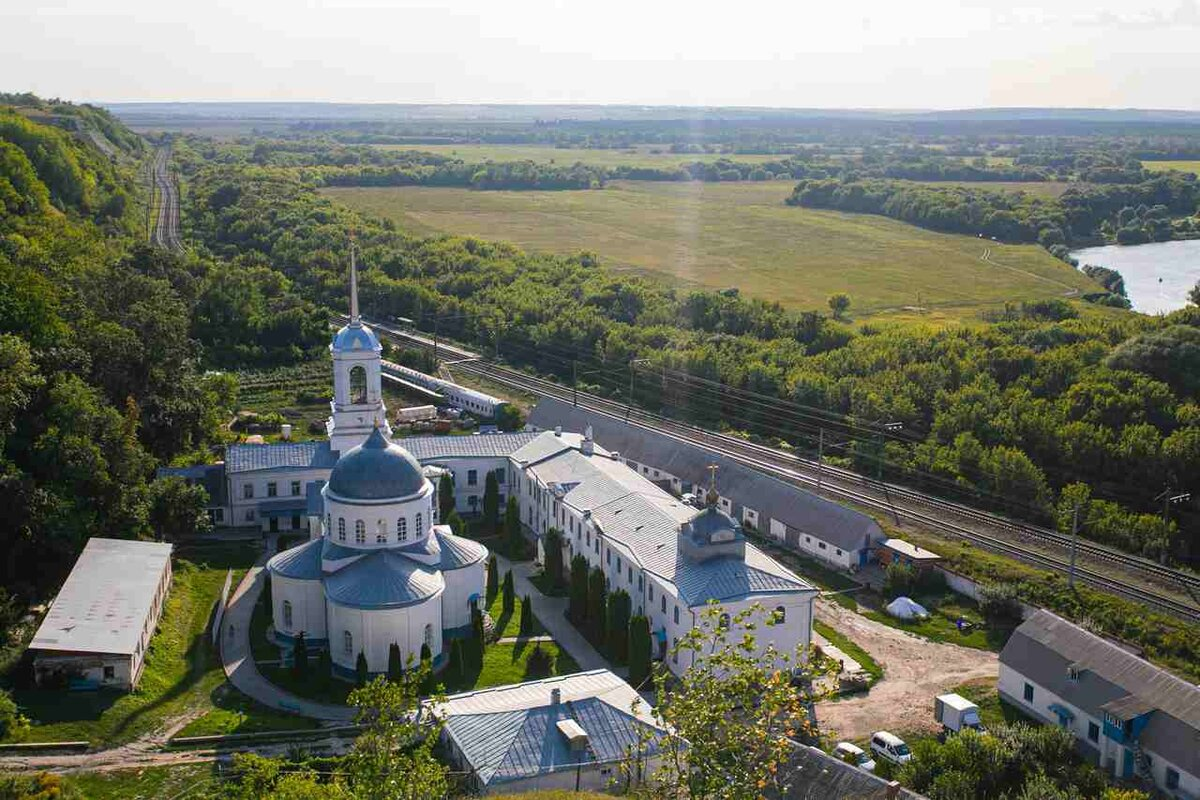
[(630, 578), (249, 515), (360, 532), (1029, 693), (295, 488), (821, 545), (473, 501), (248, 491), (618, 565), (295, 522), (607, 556), (663, 598), (329, 524), (597, 547), (675, 649), (341, 529), (780, 614), (589, 539), (651, 590), (287, 615), (347, 643), (676, 615), (358, 386), (419, 527), (808, 540), (472, 477), (838, 550), (109, 673), (402, 529), (501, 476), (381, 533), (1172, 779), (272, 489), (219, 515), (1093, 733), (639, 581)]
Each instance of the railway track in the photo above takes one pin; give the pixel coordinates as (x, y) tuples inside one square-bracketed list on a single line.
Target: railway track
[(1040, 547), (164, 231)]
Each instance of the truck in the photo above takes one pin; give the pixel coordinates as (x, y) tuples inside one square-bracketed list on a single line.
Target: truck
[(955, 713)]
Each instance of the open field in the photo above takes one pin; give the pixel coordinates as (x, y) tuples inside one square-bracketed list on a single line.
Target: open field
[(1049, 189), (638, 156), (1162, 166), (716, 235)]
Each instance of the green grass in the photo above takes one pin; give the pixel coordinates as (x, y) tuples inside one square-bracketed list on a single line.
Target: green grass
[(149, 783), (636, 156), (236, 713), (940, 625), (509, 624), (838, 640), (1162, 166), (508, 663), (299, 393), (992, 710), (541, 581), (182, 672), (716, 235)]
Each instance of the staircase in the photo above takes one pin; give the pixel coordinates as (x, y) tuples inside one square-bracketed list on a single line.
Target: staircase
[(1141, 762)]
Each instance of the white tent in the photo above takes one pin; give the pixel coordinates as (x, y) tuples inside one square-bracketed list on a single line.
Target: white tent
[(906, 608)]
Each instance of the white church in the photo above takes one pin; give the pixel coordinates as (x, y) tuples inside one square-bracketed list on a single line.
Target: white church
[(378, 569)]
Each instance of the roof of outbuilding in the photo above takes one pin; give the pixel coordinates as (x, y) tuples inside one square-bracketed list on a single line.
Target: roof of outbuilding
[(791, 505), (509, 732), (811, 773), (285, 455), (376, 470), (103, 605), (302, 562), (483, 445), (383, 579)]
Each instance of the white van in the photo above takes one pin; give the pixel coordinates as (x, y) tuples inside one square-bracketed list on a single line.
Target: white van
[(890, 746), (853, 754)]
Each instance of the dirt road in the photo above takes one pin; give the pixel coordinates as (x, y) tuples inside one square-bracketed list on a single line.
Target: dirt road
[(915, 670)]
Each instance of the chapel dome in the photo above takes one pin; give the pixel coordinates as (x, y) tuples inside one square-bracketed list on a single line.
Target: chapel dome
[(376, 470), (355, 337)]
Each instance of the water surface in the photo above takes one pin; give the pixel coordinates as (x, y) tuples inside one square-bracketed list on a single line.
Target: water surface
[(1158, 276)]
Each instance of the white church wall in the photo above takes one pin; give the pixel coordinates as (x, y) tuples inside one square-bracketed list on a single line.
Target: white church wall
[(461, 586), (381, 518), (307, 599), (372, 632)]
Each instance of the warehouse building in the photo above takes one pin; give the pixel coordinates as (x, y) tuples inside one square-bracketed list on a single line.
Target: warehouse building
[(98, 628)]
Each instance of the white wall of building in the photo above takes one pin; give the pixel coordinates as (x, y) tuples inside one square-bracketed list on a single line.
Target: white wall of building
[(307, 599), (380, 520), (373, 632), (461, 585), (259, 482), (464, 490)]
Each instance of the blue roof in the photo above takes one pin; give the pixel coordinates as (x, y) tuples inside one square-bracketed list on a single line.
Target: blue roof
[(383, 579), (355, 337), (376, 470), (285, 455), (302, 562), (458, 552)]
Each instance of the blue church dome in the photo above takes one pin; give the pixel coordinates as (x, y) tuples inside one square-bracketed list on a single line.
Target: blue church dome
[(355, 337), (376, 470)]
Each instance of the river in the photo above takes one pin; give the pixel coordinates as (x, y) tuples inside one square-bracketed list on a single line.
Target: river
[(1158, 276)]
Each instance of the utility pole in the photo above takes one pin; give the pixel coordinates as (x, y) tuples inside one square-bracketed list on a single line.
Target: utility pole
[(574, 382), (436, 320), (820, 457), (629, 405), (1074, 543)]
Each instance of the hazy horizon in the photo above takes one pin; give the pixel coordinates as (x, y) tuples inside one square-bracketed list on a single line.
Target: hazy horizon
[(872, 55)]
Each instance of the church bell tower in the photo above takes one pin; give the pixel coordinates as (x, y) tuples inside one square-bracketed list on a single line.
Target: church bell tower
[(357, 406)]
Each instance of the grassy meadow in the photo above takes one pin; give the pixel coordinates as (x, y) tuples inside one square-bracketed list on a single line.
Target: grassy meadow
[(717, 235), (1163, 166), (636, 156)]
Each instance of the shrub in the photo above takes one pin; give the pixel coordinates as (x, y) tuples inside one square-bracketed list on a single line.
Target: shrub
[(540, 663), (639, 650), (1000, 605)]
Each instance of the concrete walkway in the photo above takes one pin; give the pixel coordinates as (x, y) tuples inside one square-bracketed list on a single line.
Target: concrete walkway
[(849, 665), (552, 613), (238, 660)]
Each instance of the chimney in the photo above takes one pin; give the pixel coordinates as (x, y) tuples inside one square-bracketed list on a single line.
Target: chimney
[(893, 790), (588, 447), (615, 456), (558, 430), (285, 431), (555, 696)]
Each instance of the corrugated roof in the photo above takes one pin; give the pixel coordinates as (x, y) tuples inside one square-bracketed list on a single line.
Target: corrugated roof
[(545, 444), (284, 455), (458, 552), (302, 562), (484, 445), (383, 579), (103, 605), (811, 774), (915, 552), (791, 505)]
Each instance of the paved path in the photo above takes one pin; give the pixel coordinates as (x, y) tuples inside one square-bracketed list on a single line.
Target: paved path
[(849, 665), (551, 612), (516, 639), (238, 660)]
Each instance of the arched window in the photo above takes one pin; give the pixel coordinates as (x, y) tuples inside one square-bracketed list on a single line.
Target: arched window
[(380, 532), (419, 528), (347, 643), (723, 623), (402, 529), (358, 386), (429, 638), (780, 614), (329, 524), (341, 529), (360, 532), (287, 615)]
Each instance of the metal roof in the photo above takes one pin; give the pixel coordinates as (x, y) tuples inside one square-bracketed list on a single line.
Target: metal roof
[(383, 579), (484, 445), (210, 476), (103, 605), (376, 470), (285, 455), (910, 550), (545, 444), (511, 732), (458, 552), (1109, 678), (791, 505), (810, 773), (355, 337), (302, 562)]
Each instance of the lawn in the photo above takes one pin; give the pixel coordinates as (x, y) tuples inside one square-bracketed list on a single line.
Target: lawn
[(182, 674), (509, 624), (939, 626), (636, 156), (992, 710), (716, 235), (149, 783), (838, 640), (1162, 166)]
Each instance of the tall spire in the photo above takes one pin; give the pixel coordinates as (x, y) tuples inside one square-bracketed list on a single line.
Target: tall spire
[(354, 320)]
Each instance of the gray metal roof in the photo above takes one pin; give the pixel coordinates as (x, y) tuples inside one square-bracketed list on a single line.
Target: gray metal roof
[(545, 444), (458, 552), (376, 470), (302, 562), (791, 505), (484, 445), (210, 476), (285, 455), (103, 605), (811, 774), (1110, 678), (509, 732), (383, 579)]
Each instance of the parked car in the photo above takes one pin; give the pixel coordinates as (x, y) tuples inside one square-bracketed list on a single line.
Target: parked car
[(891, 747), (853, 754)]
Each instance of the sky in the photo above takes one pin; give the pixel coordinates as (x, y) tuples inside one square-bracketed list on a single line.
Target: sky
[(927, 54)]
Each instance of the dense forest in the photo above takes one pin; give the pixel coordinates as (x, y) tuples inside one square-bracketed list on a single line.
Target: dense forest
[(1040, 407), (104, 343)]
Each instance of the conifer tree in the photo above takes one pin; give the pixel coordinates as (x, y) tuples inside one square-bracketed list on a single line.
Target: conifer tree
[(578, 590), (526, 628), (619, 606), (324, 669), (445, 497), (510, 592), (554, 565), (493, 579), (454, 666), (395, 669), (491, 504), (361, 672), (639, 650), (597, 591), (300, 658), (513, 536)]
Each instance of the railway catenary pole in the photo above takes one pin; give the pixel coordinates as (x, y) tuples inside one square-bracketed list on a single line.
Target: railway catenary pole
[(820, 457), (1074, 544)]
